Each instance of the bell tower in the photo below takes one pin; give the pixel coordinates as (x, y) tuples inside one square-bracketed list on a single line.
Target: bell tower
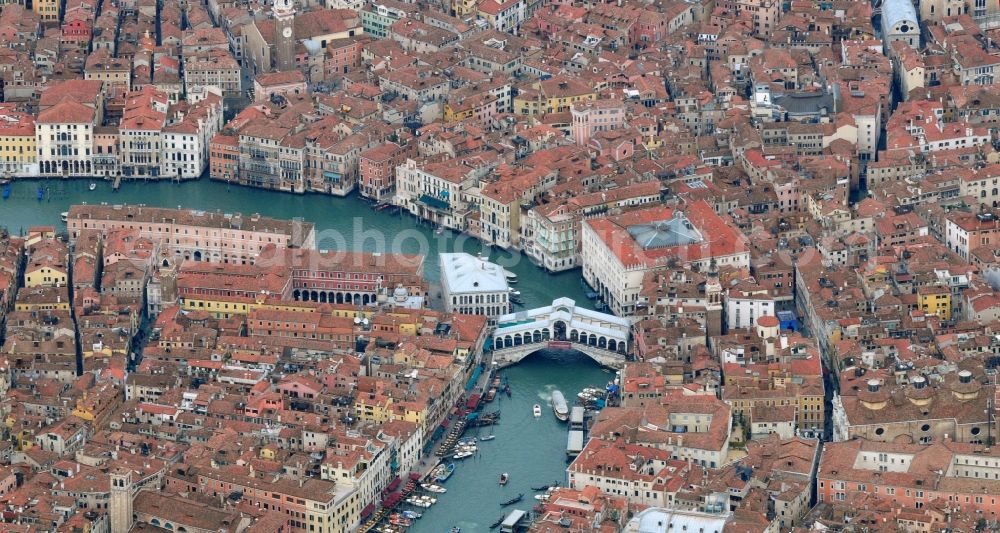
[(120, 506), (284, 34)]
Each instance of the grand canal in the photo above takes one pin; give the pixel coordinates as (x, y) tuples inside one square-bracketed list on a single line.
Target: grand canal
[(341, 223), (531, 450)]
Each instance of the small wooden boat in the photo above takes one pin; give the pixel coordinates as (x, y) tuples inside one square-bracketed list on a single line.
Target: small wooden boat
[(503, 478), (513, 500), (446, 473)]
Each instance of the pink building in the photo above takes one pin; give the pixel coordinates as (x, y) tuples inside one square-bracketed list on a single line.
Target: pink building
[(342, 56), (378, 170), (197, 235), (290, 82), (592, 117), (615, 144)]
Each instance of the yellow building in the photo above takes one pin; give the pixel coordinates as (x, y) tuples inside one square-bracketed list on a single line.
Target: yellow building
[(218, 306), (554, 95), (459, 112), (46, 275), (42, 299), (935, 300), (47, 10), (461, 8), (225, 307), (18, 152), (415, 412), (268, 453), (375, 408)]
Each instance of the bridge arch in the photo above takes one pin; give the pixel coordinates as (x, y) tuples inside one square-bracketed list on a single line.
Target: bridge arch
[(562, 326)]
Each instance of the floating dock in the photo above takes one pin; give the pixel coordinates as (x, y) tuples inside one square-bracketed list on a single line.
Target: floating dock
[(516, 520), (576, 438)]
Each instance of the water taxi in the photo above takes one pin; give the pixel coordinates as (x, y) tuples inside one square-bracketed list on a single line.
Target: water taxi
[(537, 411), (511, 277), (559, 406)]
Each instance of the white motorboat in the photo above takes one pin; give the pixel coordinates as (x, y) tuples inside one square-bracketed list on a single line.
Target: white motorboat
[(537, 411), (559, 406), (430, 487), (93, 186), (64, 216), (511, 277)]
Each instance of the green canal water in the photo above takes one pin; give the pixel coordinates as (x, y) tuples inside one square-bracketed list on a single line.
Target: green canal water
[(532, 450), (341, 223)]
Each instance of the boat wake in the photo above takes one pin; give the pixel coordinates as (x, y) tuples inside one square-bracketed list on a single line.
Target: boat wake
[(546, 395)]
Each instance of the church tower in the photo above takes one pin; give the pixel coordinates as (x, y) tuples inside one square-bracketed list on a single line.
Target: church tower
[(120, 507), (714, 309), (284, 34)]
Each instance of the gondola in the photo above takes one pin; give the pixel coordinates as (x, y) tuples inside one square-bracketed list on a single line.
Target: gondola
[(496, 524), (513, 500), (542, 487)]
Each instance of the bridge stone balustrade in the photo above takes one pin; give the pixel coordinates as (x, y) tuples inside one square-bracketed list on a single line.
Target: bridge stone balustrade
[(561, 326)]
